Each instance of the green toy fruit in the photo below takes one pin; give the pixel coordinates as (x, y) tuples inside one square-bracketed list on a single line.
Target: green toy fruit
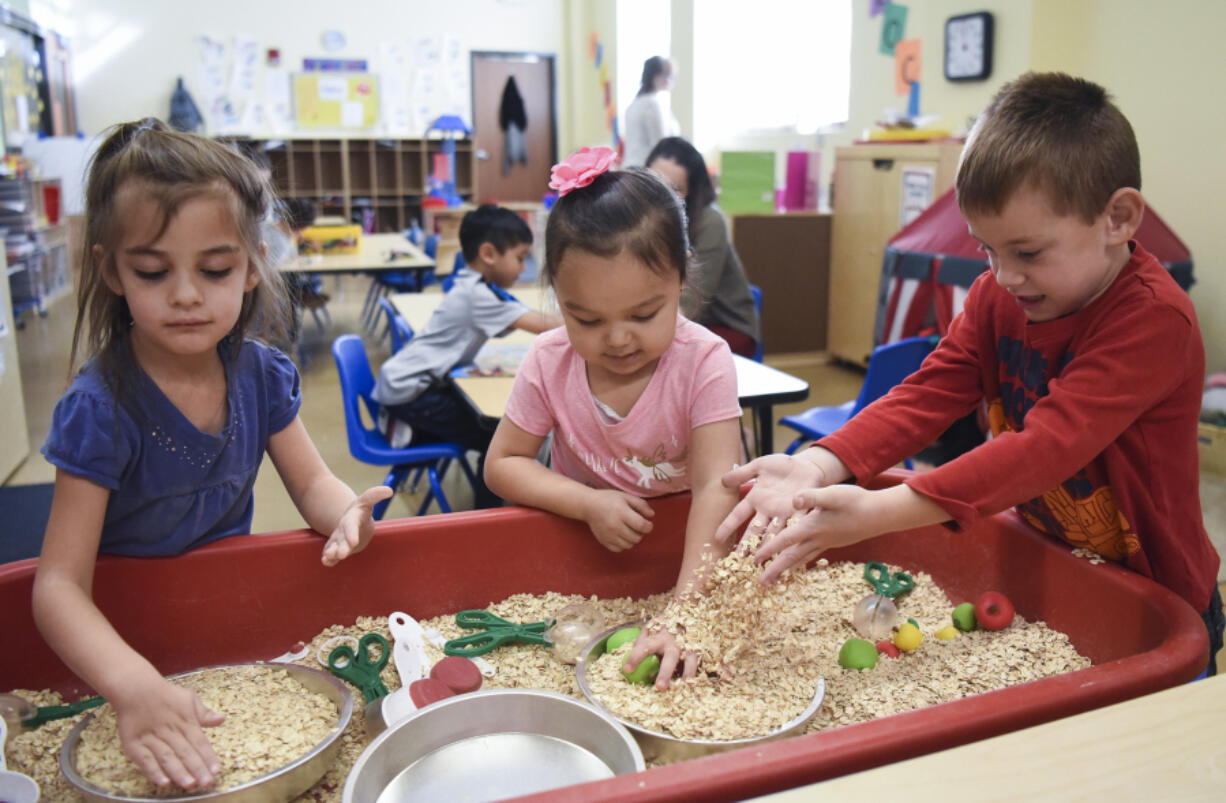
[(858, 653), (626, 634), (964, 617), (645, 672)]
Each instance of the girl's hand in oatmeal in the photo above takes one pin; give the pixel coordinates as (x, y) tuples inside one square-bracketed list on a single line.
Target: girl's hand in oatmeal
[(618, 520), (160, 730), (356, 526), (656, 640)]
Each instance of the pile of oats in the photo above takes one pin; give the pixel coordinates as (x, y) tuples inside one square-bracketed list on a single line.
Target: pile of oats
[(778, 641), (271, 720)]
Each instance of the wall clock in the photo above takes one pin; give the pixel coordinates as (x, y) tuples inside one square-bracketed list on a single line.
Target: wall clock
[(968, 47)]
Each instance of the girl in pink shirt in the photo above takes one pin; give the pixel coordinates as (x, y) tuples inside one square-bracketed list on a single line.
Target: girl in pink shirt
[(641, 401)]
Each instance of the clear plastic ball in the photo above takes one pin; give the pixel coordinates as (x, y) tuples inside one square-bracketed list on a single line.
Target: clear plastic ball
[(16, 710), (574, 628), (875, 617)]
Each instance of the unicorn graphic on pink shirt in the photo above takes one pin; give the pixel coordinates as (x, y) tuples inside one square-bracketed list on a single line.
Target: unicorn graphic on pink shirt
[(658, 467)]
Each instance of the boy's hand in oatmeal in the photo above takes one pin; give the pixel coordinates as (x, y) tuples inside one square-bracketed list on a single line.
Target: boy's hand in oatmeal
[(778, 479), (618, 520), (657, 640), (356, 526)]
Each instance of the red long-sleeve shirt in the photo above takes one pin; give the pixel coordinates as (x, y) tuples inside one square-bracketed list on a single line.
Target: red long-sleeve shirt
[(1093, 418)]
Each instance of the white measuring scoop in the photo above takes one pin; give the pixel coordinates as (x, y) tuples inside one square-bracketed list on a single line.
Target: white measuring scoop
[(14, 787), (408, 648)]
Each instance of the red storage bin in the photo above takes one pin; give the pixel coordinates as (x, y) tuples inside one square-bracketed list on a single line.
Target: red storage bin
[(251, 597)]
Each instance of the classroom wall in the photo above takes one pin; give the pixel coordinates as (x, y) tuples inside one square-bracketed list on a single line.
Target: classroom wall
[(134, 49), (587, 123), (1164, 63)]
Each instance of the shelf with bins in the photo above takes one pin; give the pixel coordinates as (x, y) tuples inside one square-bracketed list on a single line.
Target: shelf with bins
[(347, 177)]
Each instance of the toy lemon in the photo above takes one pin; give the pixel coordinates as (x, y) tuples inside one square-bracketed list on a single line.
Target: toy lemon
[(908, 637), (947, 633)]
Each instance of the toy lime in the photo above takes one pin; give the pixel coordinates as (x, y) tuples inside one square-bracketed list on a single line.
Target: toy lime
[(858, 654), (947, 633), (876, 614), (908, 637), (645, 672), (626, 634), (964, 617)]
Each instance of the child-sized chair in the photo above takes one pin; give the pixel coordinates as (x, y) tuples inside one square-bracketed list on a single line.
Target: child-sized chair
[(399, 329), (370, 446), (889, 365), (756, 292)]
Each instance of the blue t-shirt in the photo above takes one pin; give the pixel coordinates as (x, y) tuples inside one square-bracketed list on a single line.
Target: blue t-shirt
[(173, 487)]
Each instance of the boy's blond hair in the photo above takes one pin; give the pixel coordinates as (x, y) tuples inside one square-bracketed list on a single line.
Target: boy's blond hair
[(1055, 132)]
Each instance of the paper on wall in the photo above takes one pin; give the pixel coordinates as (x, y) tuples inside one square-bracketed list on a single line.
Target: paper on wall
[(351, 114), (394, 97), (333, 89), (917, 186)]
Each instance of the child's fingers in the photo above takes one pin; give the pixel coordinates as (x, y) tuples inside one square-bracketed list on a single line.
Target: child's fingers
[(691, 666), (170, 751), (669, 659), (735, 520), (148, 763), (740, 475), (640, 506), (373, 496), (812, 498), (208, 718)]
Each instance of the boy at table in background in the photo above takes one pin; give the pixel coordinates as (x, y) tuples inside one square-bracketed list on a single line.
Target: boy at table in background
[(419, 402), (1087, 352), (158, 440), (641, 401)]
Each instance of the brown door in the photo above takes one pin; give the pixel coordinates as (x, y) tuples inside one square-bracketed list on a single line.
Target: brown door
[(513, 166)]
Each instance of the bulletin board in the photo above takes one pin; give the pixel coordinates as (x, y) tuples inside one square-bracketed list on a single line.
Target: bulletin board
[(335, 100)]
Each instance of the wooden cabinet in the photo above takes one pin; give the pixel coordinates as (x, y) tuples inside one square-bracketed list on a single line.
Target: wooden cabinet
[(873, 183), (346, 177), (788, 256), (12, 407)]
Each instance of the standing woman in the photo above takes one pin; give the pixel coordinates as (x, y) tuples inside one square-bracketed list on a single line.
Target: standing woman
[(649, 118), (717, 291)]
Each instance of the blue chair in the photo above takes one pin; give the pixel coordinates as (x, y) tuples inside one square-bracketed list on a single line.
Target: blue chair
[(370, 446), (388, 282), (457, 266), (756, 292), (397, 327), (889, 365)]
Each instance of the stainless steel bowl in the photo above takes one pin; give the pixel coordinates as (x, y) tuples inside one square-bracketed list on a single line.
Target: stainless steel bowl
[(491, 745), (276, 787), (662, 747)]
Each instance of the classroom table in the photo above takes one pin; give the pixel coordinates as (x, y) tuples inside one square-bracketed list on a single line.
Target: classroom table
[(374, 255), (1162, 746)]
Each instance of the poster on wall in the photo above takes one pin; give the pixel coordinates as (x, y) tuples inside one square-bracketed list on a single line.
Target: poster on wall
[(917, 186)]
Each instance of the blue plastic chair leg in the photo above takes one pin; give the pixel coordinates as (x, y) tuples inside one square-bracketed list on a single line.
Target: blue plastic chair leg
[(794, 445)]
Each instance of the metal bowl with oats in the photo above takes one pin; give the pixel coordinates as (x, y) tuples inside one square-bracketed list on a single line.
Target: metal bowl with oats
[(300, 768), (664, 748)]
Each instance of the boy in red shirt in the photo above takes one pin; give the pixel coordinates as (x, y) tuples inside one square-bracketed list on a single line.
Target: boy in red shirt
[(1087, 352)]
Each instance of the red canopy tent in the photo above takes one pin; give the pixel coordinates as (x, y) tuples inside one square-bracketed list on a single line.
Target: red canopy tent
[(930, 264)]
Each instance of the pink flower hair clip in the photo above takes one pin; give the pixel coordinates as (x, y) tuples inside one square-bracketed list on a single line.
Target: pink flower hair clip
[(580, 169)]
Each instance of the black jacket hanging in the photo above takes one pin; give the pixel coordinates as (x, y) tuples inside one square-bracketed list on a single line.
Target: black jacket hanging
[(513, 121)]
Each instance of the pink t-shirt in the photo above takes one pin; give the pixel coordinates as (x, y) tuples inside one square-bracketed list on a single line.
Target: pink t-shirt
[(646, 453)]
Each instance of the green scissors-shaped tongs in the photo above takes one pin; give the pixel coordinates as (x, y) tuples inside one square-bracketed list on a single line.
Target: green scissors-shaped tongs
[(496, 631), (886, 584), (358, 668)]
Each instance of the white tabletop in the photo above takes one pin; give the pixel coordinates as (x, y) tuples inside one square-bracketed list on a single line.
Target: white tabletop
[(375, 253)]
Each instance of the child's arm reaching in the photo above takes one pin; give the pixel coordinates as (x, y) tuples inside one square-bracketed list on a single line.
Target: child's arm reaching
[(618, 520), (160, 724), (537, 322), (712, 447), (327, 504)]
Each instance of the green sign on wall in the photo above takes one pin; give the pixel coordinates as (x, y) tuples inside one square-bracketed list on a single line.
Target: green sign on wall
[(747, 182)]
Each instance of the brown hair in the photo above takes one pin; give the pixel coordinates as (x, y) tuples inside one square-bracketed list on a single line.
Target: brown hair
[(622, 210), (171, 168), (1055, 132)]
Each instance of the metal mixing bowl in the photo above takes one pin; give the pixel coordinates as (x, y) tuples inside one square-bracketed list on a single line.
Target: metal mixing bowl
[(662, 747), (276, 787), (491, 745)]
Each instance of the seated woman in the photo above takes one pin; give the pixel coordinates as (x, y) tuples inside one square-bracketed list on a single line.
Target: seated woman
[(717, 291)]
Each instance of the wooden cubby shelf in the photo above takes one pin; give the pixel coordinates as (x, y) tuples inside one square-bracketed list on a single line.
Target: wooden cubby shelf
[(348, 176)]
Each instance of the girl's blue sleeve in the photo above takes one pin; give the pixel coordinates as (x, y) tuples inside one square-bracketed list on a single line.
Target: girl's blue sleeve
[(89, 440), (284, 390)]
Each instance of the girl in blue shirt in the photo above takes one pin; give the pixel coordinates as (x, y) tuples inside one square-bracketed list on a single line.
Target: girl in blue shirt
[(158, 440)]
